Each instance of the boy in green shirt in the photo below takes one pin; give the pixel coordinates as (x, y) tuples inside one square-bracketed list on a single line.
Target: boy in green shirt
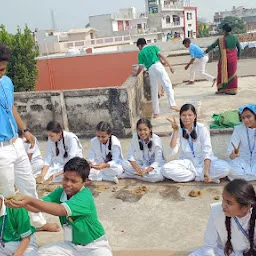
[(74, 204), (16, 236), (150, 57)]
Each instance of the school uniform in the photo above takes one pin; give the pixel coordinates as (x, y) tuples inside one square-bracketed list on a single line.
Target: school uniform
[(149, 58), (14, 163), (215, 236), (148, 157), (83, 233), (98, 154), (200, 64), (190, 165), (243, 166), (37, 161), (15, 225), (56, 163)]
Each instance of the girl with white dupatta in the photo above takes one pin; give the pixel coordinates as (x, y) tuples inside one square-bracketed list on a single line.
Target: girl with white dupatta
[(106, 155), (145, 157), (61, 147), (197, 161), (231, 227), (242, 146)]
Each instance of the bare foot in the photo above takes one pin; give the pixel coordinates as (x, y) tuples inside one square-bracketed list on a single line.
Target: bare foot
[(49, 227), (191, 82), (155, 116), (175, 109)]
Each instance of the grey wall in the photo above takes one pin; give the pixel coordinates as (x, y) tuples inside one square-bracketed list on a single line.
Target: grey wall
[(81, 110), (103, 23)]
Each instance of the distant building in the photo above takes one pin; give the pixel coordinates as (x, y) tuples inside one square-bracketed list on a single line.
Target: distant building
[(51, 41), (126, 22), (172, 17), (247, 15)]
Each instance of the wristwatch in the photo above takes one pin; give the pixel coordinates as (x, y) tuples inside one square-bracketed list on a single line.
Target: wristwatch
[(26, 130)]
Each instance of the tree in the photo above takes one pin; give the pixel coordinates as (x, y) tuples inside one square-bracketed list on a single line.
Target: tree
[(22, 65), (203, 29), (238, 25)]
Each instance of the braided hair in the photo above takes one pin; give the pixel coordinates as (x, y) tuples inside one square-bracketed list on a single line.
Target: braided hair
[(149, 125), (193, 133), (105, 127), (55, 127), (244, 194)]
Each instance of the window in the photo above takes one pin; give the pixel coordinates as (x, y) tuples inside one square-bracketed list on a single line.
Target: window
[(168, 19), (189, 16)]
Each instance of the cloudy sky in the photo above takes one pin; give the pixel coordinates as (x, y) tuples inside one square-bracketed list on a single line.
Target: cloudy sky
[(74, 13)]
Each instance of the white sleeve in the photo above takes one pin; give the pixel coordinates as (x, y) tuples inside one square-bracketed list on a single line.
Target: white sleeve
[(91, 156), (116, 155), (206, 143), (158, 157), (210, 237), (235, 139), (73, 148), (174, 151), (131, 153), (49, 154)]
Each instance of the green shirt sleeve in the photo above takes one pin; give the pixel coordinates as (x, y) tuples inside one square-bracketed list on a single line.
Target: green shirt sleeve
[(54, 197), (238, 46), (157, 50), (211, 47), (24, 228), (140, 59), (80, 204)]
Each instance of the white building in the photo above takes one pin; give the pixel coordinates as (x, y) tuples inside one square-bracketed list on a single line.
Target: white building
[(172, 17), (126, 22)]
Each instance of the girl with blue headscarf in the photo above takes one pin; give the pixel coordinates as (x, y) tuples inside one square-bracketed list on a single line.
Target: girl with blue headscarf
[(242, 146)]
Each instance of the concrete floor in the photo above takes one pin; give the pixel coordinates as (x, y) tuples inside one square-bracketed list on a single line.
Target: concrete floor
[(163, 220)]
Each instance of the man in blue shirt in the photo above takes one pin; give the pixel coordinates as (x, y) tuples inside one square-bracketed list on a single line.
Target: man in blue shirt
[(198, 62), (14, 162)]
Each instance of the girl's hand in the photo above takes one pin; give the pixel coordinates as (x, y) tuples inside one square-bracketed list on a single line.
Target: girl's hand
[(233, 155), (175, 126), (207, 178)]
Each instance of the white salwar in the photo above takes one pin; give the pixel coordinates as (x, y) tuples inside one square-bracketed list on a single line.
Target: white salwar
[(157, 73), (145, 158), (215, 236), (98, 154), (191, 167), (56, 163), (36, 161), (244, 166)]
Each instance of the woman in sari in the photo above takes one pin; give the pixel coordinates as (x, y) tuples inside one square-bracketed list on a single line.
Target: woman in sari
[(230, 51)]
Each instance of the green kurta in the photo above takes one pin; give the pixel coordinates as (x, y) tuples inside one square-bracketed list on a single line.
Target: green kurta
[(232, 42)]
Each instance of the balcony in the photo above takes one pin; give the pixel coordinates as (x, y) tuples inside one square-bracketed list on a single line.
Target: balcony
[(97, 42), (176, 24)]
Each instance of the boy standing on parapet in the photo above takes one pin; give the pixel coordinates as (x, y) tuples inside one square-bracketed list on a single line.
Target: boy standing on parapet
[(150, 57)]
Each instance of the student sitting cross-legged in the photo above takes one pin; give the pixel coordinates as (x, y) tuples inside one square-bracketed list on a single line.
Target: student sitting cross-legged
[(16, 236), (74, 204)]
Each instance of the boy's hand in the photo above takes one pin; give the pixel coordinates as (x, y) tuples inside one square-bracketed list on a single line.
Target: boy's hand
[(30, 138), (186, 67), (21, 202), (172, 70)]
